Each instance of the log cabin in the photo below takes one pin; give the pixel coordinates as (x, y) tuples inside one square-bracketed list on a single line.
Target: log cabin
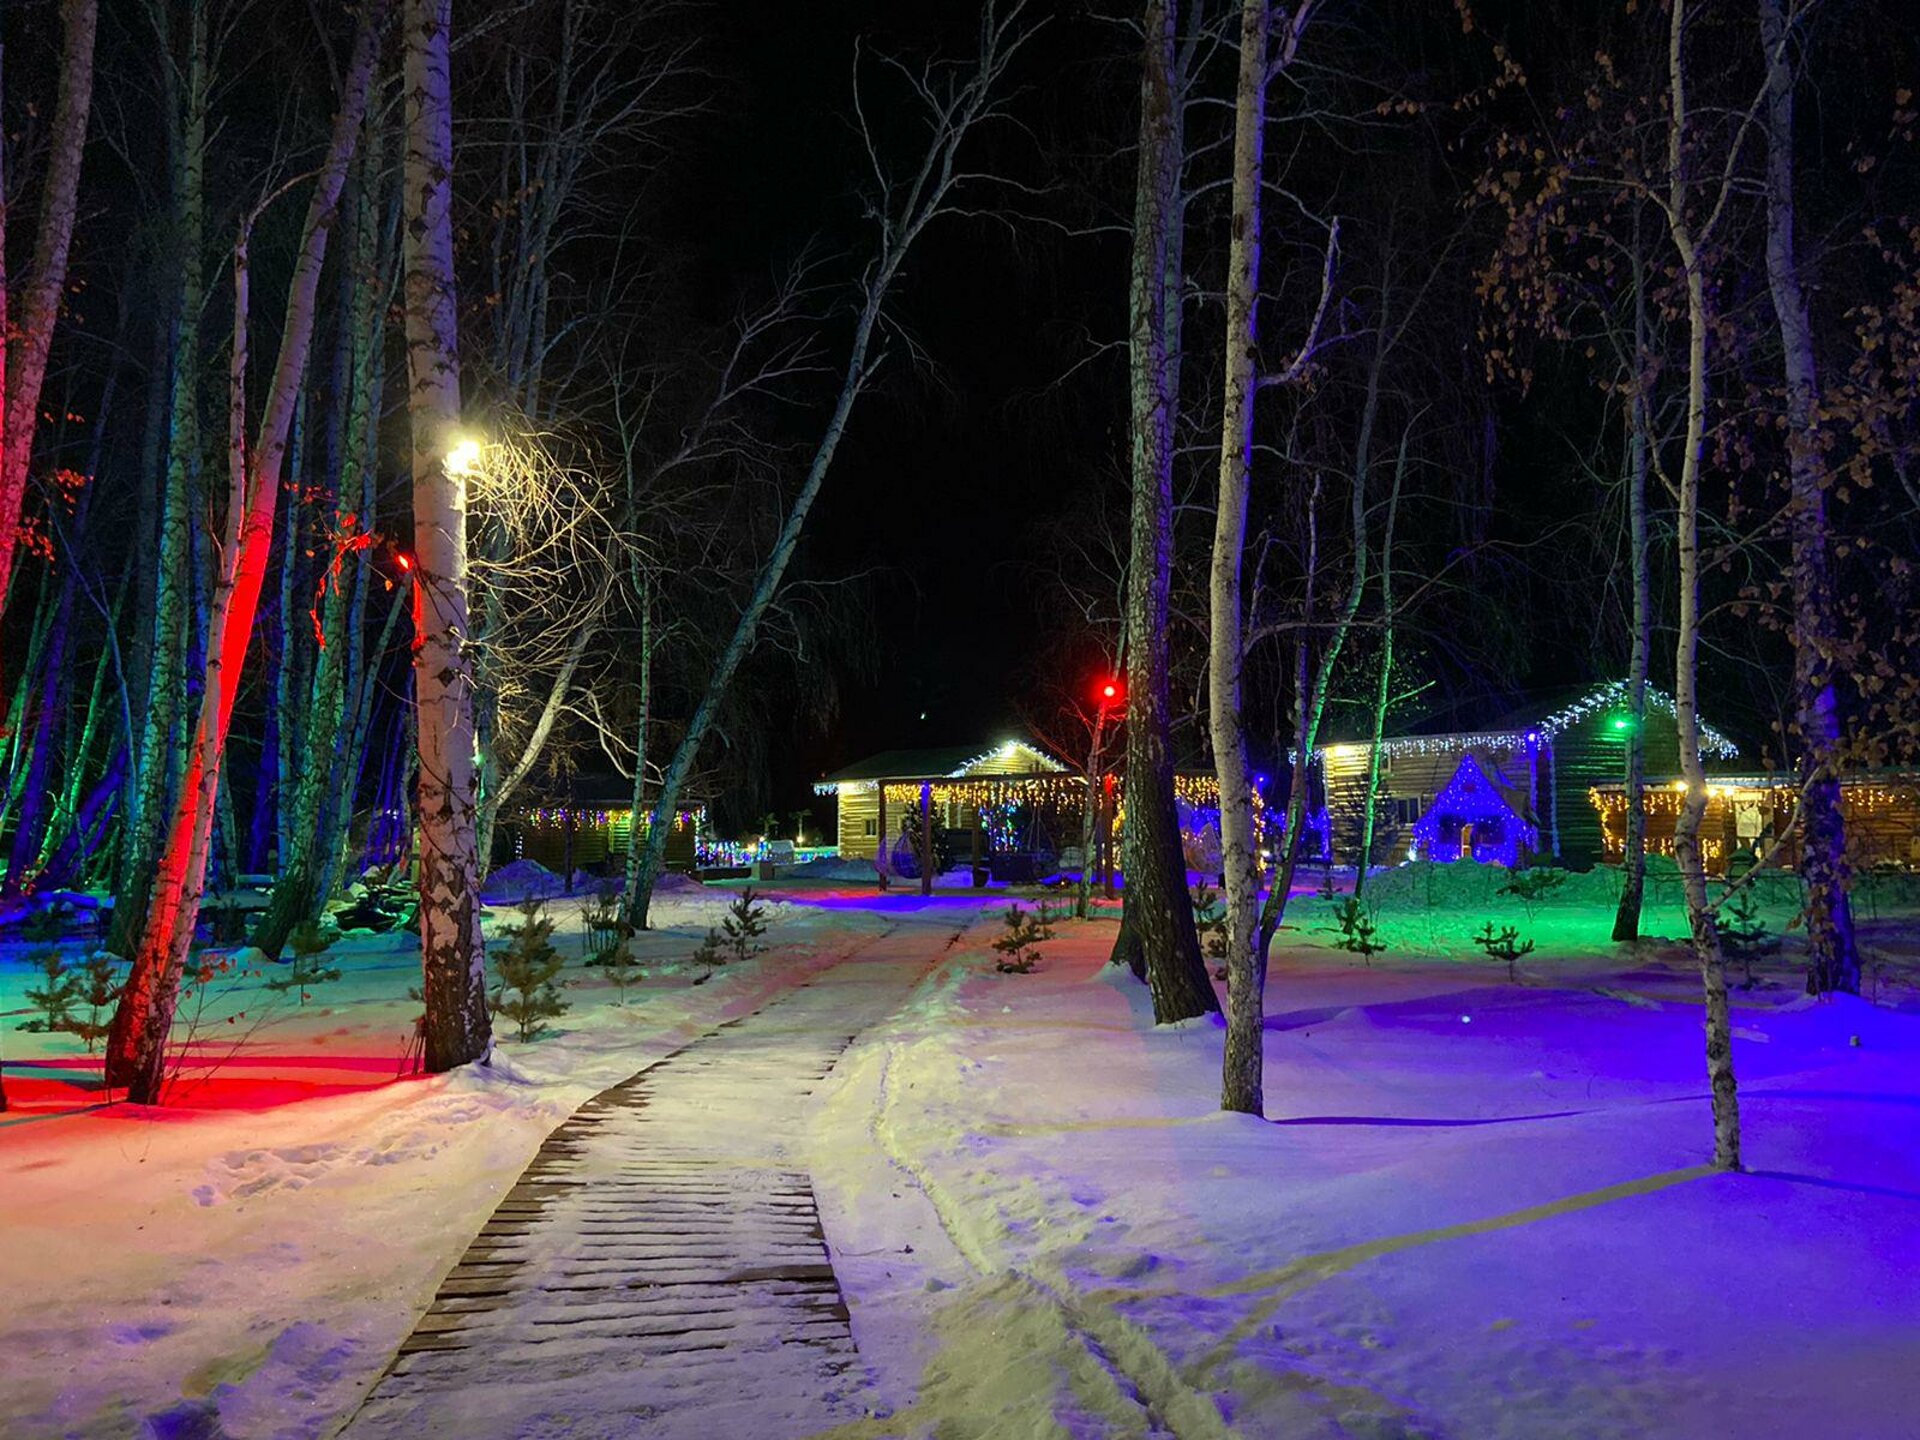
[(591, 826), (1514, 791), (1014, 808), (1754, 816)]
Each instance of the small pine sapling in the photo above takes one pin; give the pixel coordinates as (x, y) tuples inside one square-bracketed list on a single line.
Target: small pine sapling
[(1046, 917), (1743, 934), (528, 992), (100, 987), (1019, 947), (59, 991), (1358, 935), (1533, 885), (606, 926), (308, 943), (712, 953), (1505, 945), (622, 969), (745, 923)]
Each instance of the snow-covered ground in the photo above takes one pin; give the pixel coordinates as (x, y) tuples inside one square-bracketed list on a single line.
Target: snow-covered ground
[(1476, 1210)]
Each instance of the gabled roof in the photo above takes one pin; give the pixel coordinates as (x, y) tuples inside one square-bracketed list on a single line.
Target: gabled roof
[(1548, 715), (944, 763)]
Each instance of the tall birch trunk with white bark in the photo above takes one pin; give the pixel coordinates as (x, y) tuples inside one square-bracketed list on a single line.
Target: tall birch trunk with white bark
[(26, 329), (1687, 242), (1157, 937), (136, 1042), (162, 744), (1240, 1085), (452, 957), (1833, 955)]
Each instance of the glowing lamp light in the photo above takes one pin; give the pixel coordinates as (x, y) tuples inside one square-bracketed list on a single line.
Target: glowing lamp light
[(1109, 691), (464, 458), (1621, 724), (403, 560)]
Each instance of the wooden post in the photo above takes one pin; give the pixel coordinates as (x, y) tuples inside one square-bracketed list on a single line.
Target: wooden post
[(926, 837), (1106, 835), (880, 862)]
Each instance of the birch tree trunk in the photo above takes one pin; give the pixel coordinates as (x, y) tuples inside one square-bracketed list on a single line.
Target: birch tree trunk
[(1833, 956), (163, 740), (136, 1042), (636, 849), (1240, 1084), (26, 337), (453, 960), (1686, 703), (309, 802), (1157, 937)]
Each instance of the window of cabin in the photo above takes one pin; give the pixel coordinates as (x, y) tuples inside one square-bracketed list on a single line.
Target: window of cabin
[(872, 828), (1408, 808)]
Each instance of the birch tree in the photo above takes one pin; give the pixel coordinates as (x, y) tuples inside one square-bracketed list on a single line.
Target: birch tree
[(1157, 938), (136, 1043), (1833, 956), (452, 957), (1691, 227), (27, 322)]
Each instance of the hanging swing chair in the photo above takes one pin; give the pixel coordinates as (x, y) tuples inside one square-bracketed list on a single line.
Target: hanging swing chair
[(1032, 857)]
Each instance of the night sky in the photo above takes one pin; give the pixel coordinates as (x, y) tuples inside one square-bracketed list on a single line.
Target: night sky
[(945, 472)]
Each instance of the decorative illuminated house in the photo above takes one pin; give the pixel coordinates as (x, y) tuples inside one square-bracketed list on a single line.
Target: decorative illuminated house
[(1011, 806), (1529, 781), (1751, 814), (983, 793), (591, 825), (1475, 818)]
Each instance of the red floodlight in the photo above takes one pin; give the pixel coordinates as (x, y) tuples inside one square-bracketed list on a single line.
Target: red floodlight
[(1110, 692)]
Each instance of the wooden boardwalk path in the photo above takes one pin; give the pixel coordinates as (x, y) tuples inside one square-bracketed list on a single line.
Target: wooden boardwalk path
[(659, 1269)]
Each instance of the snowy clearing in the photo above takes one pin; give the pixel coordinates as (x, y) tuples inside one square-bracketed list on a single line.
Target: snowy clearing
[(1478, 1208)]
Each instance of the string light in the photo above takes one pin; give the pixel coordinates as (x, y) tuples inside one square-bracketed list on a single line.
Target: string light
[(558, 817), (1610, 696), (1468, 805), (1867, 804)]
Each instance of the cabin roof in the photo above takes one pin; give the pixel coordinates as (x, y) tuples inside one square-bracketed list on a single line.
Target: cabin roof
[(940, 763), (1548, 713)]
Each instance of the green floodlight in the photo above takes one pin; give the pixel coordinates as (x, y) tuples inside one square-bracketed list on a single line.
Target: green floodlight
[(1621, 725)]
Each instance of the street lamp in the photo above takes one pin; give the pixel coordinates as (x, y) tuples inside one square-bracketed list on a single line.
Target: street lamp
[(464, 458)]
